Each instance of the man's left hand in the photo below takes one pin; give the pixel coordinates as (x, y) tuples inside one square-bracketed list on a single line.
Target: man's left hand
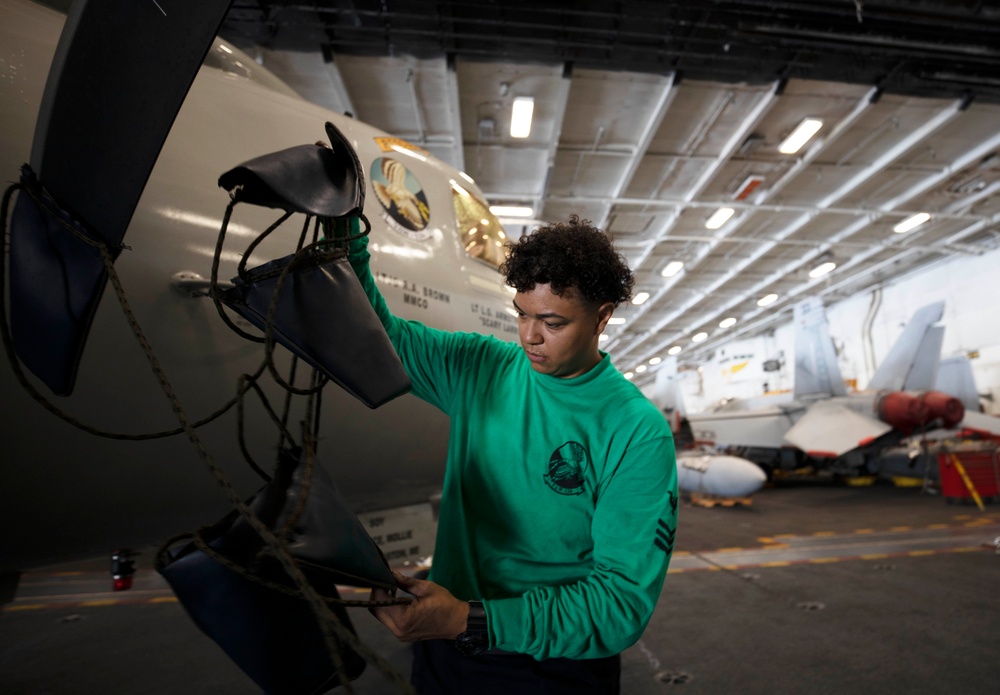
[(434, 613)]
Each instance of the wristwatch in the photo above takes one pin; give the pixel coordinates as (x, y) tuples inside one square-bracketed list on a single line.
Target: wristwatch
[(476, 638)]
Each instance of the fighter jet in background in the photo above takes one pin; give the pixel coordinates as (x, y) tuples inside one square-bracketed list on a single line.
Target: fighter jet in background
[(701, 469), (835, 430)]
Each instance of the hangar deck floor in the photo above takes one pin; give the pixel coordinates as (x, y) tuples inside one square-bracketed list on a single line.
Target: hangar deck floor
[(813, 588)]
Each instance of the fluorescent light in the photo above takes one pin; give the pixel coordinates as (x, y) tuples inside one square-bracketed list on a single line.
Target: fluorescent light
[(520, 117), (698, 337), (726, 323), (674, 350), (640, 298), (628, 375), (615, 321), (512, 210), (719, 218), (671, 269), (800, 136), (769, 299), (911, 223), (655, 360), (641, 368), (604, 336), (822, 269)]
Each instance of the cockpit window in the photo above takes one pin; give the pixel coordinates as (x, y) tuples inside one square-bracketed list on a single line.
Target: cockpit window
[(232, 61), (479, 230)]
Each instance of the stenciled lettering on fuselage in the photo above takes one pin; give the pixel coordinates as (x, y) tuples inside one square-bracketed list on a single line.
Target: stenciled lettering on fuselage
[(494, 319), (414, 294), (403, 201), (566, 468)]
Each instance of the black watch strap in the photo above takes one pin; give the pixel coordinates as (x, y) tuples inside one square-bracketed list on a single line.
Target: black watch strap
[(476, 638)]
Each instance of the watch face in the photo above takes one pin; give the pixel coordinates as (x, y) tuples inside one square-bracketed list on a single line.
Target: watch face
[(472, 643)]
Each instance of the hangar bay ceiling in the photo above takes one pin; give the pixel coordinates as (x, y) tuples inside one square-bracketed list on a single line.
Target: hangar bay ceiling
[(650, 117)]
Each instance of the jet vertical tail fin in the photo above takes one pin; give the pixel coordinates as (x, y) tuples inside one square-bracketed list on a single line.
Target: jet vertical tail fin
[(667, 397), (667, 388), (913, 360), (927, 361), (816, 370), (955, 378)]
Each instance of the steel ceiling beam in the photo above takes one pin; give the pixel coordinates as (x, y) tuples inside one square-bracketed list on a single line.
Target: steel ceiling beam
[(893, 153), (970, 156), (649, 130)]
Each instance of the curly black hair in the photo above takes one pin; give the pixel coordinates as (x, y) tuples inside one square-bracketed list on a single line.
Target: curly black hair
[(566, 255)]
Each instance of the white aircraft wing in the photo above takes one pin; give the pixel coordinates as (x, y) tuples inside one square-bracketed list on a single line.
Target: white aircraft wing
[(981, 422), (833, 429)]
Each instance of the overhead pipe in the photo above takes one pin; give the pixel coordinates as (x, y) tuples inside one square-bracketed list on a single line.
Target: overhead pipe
[(797, 167), (867, 346)]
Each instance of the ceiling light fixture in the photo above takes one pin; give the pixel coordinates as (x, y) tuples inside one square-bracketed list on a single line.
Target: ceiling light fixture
[(822, 269), (911, 223), (671, 269), (640, 298), (512, 210), (520, 117), (628, 375), (800, 136), (726, 323), (655, 360), (616, 321), (674, 350), (641, 368), (719, 218), (698, 337), (768, 299)]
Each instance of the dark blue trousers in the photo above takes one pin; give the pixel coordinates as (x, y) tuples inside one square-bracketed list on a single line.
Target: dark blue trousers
[(438, 669)]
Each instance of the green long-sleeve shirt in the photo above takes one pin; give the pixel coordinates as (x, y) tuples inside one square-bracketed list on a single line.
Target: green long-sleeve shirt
[(559, 504)]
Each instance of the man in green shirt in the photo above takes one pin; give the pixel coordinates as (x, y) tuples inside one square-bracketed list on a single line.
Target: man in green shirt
[(559, 504)]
